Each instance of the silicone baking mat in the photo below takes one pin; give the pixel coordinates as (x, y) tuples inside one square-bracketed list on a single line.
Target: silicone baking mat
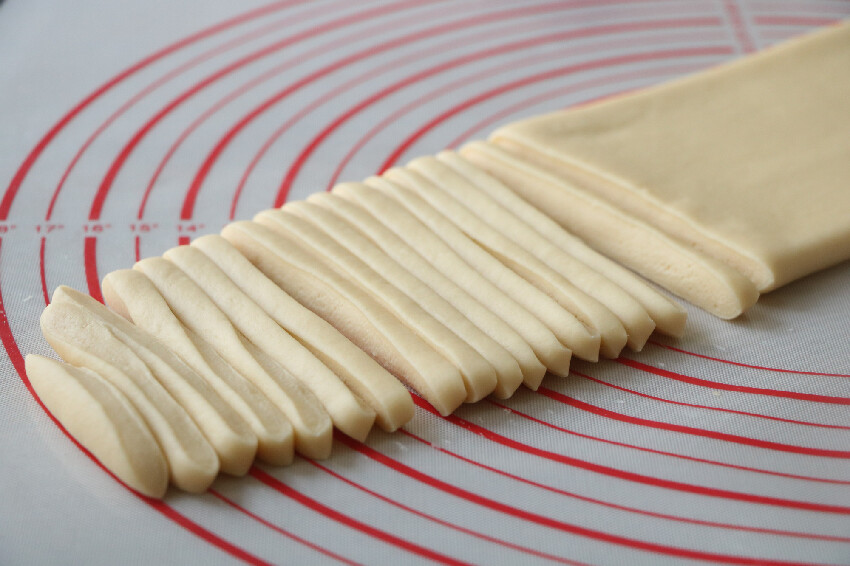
[(129, 127)]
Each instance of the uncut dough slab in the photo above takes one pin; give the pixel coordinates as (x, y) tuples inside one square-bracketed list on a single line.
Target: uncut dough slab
[(103, 420), (386, 395), (669, 316), (747, 162)]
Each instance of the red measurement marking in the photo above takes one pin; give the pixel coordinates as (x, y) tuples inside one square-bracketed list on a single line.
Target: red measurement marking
[(96, 228), (143, 227), (48, 228)]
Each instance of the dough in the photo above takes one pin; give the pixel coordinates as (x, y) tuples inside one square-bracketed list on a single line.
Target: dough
[(633, 317), (345, 219), (590, 312), (676, 266), (478, 375), (507, 370), (132, 295), (352, 311), (101, 418), (569, 331), (363, 375), (746, 162), (84, 341), (348, 413), (312, 426), (669, 316), (551, 352)]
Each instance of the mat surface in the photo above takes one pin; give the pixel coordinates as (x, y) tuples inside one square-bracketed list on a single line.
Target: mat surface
[(128, 128)]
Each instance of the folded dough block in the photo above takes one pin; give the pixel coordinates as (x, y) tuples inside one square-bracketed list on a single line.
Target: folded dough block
[(747, 162), (103, 420), (364, 376), (678, 267), (132, 295), (668, 315)]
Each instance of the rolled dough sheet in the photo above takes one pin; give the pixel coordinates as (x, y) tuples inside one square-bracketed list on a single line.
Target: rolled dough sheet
[(747, 162)]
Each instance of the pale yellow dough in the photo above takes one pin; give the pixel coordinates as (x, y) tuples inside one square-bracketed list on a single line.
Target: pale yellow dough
[(312, 426), (478, 375), (342, 215), (747, 162), (363, 375), (101, 418), (132, 295)]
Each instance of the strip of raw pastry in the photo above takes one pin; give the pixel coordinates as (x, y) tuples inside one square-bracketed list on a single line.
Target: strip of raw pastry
[(312, 426), (227, 432), (569, 331), (132, 295), (83, 341), (340, 214), (552, 353), (103, 420), (350, 241), (591, 313), (348, 413), (679, 268), (478, 374), (633, 317), (364, 376), (669, 316), (352, 311)]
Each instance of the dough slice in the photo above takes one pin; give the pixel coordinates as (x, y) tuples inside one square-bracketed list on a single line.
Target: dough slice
[(341, 214), (312, 426), (668, 315), (101, 418), (566, 327), (635, 320), (352, 311), (363, 375), (227, 432), (683, 270), (552, 353), (132, 295), (84, 341), (478, 375), (507, 370), (590, 312), (348, 413)]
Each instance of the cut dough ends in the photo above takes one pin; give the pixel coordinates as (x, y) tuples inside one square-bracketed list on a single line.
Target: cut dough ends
[(696, 277), (101, 418)]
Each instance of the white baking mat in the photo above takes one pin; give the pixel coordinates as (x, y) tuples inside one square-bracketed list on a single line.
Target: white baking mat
[(127, 127)]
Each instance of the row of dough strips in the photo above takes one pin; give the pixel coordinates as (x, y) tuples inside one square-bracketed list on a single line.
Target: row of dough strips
[(257, 342)]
